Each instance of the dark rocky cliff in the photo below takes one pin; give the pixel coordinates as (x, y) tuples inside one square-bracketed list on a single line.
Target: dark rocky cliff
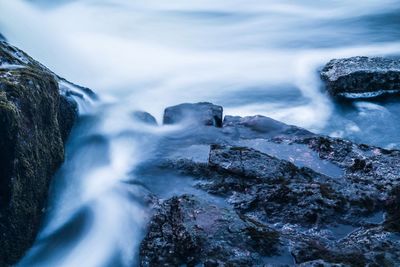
[(35, 120)]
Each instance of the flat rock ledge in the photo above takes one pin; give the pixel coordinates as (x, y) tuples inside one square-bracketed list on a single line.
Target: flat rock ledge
[(362, 77)]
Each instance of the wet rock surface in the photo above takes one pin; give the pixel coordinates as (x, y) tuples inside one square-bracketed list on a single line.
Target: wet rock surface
[(327, 201), (144, 117), (188, 230), (199, 113), (362, 76), (392, 222), (35, 121)]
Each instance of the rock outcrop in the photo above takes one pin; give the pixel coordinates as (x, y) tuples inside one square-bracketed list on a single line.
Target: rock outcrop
[(35, 121), (362, 76), (277, 195)]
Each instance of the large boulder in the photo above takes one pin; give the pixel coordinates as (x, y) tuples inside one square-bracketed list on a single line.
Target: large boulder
[(35, 121), (202, 113), (362, 76)]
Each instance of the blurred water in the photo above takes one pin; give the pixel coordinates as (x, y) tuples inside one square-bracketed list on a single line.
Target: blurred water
[(251, 56), (156, 53)]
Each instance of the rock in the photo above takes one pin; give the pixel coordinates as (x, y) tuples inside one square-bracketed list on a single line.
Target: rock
[(189, 231), (362, 76), (250, 163), (310, 251), (274, 189), (370, 245), (13, 58), (324, 197), (258, 123), (67, 116), (2, 38), (200, 113), (320, 263), (145, 117), (252, 127), (375, 244), (392, 222), (35, 120), (370, 170)]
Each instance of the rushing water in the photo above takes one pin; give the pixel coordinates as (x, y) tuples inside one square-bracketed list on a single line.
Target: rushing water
[(251, 56)]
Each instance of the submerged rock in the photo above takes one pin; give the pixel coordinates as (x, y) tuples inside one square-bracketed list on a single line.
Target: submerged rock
[(200, 113), (362, 76), (253, 127), (35, 121), (145, 117), (255, 123)]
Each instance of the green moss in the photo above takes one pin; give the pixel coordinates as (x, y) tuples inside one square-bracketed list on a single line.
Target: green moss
[(31, 150)]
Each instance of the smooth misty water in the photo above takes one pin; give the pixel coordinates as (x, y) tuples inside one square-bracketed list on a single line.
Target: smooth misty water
[(251, 56)]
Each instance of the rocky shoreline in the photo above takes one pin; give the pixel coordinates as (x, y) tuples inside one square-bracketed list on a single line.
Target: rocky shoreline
[(287, 193), (262, 193)]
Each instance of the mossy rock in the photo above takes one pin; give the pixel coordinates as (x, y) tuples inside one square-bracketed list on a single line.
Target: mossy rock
[(35, 120)]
